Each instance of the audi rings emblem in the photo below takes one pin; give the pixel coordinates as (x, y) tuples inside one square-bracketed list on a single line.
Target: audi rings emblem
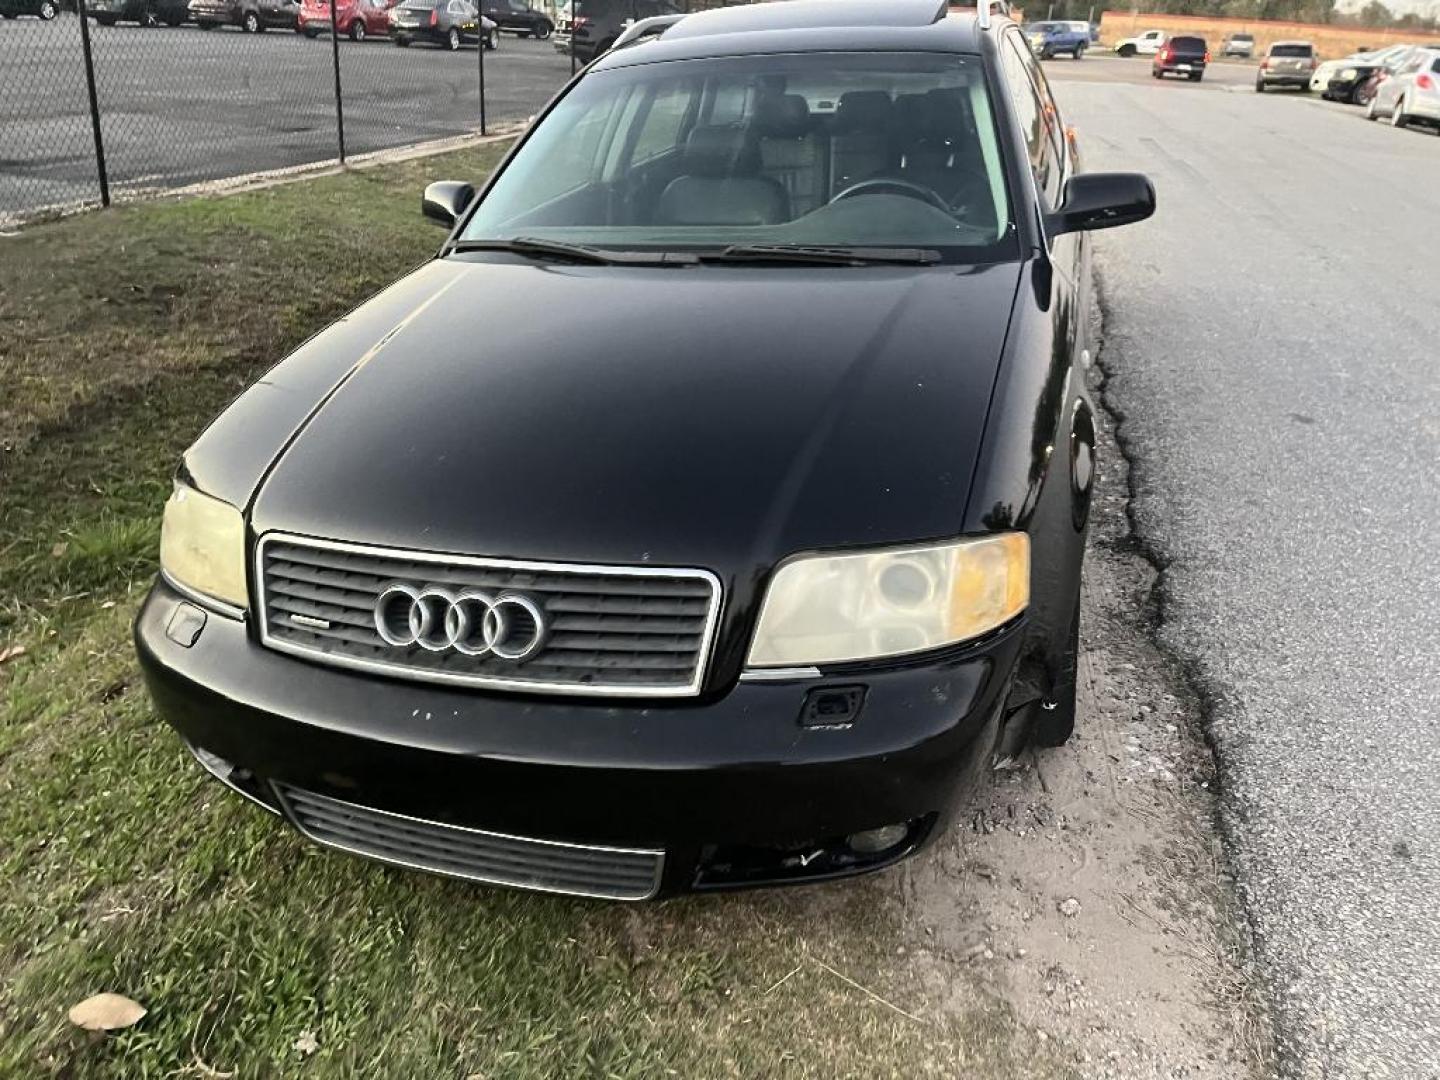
[(470, 621)]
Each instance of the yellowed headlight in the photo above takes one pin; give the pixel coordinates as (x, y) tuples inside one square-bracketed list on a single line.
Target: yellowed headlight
[(833, 608), (202, 545)]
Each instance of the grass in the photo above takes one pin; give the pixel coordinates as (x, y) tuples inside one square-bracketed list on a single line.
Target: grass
[(123, 868)]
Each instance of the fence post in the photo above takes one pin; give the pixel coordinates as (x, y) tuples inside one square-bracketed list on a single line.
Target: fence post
[(480, 16), (94, 104), (335, 61)]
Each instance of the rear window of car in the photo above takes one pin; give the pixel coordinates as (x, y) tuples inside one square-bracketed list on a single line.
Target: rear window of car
[(1242, 37), (1292, 50), (1194, 44)]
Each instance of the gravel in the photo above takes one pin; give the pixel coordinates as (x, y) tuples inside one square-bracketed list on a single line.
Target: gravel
[(1271, 341)]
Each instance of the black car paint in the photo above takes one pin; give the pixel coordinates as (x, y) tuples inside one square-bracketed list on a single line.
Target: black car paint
[(518, 17), (848, 407)]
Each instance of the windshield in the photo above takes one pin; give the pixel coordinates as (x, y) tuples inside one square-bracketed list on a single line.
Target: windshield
[(833, 149)]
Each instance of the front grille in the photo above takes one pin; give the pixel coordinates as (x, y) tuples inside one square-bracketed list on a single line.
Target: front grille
[(494, 858), (607, 630)]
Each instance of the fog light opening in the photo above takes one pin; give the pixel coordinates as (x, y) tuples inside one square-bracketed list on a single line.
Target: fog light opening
[(875, 841), (241, 781)]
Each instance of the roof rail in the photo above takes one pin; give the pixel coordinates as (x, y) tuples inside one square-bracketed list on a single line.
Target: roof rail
[(984, 10), (645, 28)]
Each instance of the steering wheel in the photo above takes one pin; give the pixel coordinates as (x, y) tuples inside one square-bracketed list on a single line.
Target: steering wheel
[(888, 186)]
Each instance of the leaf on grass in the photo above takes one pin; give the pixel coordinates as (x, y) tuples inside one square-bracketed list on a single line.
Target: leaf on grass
[(306, 1044), (59, 549), (10, 652), (107, 1012)]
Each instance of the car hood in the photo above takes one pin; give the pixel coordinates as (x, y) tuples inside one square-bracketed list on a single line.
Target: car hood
[(711, 417)]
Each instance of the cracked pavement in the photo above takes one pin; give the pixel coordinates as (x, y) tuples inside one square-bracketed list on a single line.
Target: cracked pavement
[(1270, 345)]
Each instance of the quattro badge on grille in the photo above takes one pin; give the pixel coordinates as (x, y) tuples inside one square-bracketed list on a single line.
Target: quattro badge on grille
[(508, 625)]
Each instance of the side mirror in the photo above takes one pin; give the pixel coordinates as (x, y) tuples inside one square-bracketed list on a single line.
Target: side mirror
[(1103, 201), (445, 200)]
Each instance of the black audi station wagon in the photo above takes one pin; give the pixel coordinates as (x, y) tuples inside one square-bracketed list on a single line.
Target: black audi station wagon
[(707, 512)]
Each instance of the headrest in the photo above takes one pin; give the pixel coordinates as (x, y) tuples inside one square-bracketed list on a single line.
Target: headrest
[(869, 109), (721, 150), (782, 116)]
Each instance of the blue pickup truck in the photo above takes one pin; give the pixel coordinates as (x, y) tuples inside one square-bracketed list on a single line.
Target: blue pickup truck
[(1050, 39)]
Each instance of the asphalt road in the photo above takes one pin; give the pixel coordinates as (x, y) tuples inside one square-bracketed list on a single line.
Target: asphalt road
[(1270, 339), (179, 106)]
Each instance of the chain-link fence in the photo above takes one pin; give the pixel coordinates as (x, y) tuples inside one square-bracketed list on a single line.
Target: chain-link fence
[(110, 99)]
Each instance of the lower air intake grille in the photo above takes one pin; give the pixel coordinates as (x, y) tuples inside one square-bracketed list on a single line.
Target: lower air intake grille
[(549, 866), (555, 628)]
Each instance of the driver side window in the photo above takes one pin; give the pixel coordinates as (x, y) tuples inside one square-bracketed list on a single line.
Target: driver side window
[(1039, 119)]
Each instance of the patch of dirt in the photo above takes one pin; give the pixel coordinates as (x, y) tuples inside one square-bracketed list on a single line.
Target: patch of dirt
[(1088, 887)]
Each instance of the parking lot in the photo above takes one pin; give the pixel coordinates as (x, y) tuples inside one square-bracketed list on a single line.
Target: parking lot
[(1241, 839), (180, 106)]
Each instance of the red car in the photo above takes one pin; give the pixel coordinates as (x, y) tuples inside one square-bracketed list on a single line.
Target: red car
[(357, 19)]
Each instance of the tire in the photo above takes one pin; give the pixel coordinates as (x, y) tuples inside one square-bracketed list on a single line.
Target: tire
[(492, 41), (1079, 53), (1156, 73), (1054, 726), (250, 23), (206, 25), (149, 21), (1126, 51), (105, 20), (541, 31), (357, 30), (1196, 76), (48, 11), (452, 40), (1397, 116), (1259, 86), (311, 34), (402, 42)]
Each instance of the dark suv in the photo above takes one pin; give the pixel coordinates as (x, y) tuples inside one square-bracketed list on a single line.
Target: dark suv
[(252, 16), (518, 17), (1181, 56), (594, 25), (740, 544)]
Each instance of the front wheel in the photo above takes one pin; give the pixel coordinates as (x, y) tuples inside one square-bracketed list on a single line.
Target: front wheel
[(1079, 53), (1053, 721), (492, 41), (402, 43), (357, 30), (1259, 86), (48, 11), (1126, 51), (250, 23), (541, 32), (452, 40)]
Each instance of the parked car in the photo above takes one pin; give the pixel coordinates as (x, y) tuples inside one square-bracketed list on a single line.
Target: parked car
[(593, 25), (355, 19), (1181, 55), (252, 16), (1370, 83), (518, 17), (1147, 44), (1339, 80), (1286, 63), (1050, 39), (449, 23), (41, 9), (1412, 94), (1240, 46), (727, 577), (144, 12)]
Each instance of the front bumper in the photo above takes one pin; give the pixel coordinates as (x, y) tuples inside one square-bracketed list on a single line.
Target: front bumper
[(731, 788)]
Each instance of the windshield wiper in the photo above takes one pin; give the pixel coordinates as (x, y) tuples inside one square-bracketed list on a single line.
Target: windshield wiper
[(822, 256), (580, 253)]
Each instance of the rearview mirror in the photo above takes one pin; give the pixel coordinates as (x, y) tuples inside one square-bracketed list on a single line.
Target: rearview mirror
[(1103, 201), (445, 200)]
